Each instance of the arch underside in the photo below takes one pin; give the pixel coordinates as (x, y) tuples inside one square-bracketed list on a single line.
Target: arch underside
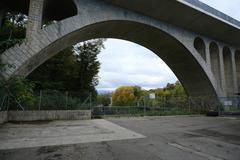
[(169, 49)]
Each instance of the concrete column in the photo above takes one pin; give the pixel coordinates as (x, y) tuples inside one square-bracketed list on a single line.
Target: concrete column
[(235, 83), (208, 56), (222, 72), (34, 17)]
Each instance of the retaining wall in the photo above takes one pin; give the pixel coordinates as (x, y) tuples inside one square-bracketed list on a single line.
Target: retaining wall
[(45, 115), (3, 117)]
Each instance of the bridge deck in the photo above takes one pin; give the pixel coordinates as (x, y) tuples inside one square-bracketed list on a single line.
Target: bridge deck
[(189, 14)]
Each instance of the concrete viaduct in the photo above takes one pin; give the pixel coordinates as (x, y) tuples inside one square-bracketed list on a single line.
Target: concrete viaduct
[(200, 44)]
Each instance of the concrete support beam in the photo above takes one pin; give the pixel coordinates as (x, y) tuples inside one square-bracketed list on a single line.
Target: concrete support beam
[(34, 17), (235, 83), (222, 72), (208, 56)]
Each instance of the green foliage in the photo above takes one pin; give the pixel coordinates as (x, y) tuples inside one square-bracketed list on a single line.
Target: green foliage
[(104, 99), (13, 30), (73, 69), (172, 94), (18, 89)]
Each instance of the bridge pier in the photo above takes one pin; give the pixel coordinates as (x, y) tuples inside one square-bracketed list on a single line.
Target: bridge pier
[(35, 17), (208, 54)]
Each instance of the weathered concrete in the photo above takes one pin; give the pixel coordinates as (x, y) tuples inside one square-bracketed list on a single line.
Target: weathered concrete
[(166, 138), (35, 17), (168, 39), (15, 116), (191, 15), (62, 133), (3, 117), (49, 115)]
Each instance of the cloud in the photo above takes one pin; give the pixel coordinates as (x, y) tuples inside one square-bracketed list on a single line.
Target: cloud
[(126, 63)]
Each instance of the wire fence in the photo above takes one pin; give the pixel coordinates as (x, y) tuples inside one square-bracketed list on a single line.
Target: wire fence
[(48, 100), (180, 105), (160, 105)]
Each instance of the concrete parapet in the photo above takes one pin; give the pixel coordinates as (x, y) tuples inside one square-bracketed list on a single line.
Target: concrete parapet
[(3, 117), (45, 115)]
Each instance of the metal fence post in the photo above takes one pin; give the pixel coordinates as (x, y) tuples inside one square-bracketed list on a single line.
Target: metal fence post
[(90, 101), (40, 100), (189, 105), (66, 105), (145, 103)]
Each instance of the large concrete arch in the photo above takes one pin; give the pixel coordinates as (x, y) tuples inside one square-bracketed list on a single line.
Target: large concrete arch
[(98, 19)]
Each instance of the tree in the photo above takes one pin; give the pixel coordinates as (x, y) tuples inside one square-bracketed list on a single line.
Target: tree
[(73, 69), (13, 30), (57, 72), (104, 99), (88, 65), (126, 96)]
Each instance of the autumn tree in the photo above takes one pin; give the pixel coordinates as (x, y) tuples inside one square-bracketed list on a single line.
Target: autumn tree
[(126, 96)]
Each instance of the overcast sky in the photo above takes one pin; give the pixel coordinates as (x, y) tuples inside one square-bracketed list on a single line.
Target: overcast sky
[(126, 63)]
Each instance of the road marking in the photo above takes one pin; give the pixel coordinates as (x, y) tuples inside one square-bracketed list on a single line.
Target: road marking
[(209, 157)]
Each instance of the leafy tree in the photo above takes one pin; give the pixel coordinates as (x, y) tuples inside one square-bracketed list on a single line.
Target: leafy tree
[(126, 96), (13, 30), (73, 69), (57, 73), (104, 99), (19, 90), (134, 95), (88, 65)]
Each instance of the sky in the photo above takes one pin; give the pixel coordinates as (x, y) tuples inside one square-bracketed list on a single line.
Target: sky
[(125, 64)]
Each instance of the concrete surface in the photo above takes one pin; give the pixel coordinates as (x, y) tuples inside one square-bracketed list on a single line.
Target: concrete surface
[(3, 117), (61, 133), (49, 115), (166, 138)]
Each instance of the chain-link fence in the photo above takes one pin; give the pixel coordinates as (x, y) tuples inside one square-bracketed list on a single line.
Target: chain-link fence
[(47, 100), (174, 105), (230, 105), (160, 105)]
